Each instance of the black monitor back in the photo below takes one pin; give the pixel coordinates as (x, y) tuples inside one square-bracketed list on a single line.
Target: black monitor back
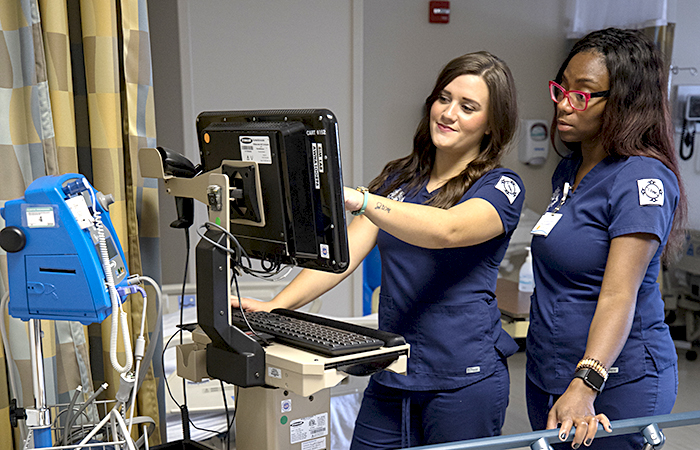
[(298, 158)]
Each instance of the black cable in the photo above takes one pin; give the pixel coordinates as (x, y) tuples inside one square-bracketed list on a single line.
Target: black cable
[(228, 429), (183, 408), (167, 383), (184, 414), (182, 303), (243, 313), (237, 257), (233, 419), (162, 366)]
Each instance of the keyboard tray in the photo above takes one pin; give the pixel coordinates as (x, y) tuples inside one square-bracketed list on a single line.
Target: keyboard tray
[(304, 331)]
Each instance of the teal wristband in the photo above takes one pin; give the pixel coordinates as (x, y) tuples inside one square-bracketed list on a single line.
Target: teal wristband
[(365, 194)]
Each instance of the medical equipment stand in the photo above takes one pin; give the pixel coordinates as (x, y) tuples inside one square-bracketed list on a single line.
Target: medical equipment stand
[(39, 418)]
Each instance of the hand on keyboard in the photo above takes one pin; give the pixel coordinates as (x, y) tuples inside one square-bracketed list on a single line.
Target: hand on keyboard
[(250, 304)]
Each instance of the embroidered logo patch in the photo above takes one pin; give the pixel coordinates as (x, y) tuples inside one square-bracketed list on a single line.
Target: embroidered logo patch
[(651, 192), (509, 187), (397, 195)]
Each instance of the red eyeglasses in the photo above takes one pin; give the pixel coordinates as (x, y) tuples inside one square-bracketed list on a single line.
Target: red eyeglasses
[(577, 99)]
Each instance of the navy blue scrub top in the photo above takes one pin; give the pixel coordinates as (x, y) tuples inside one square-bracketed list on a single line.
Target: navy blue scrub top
[(442, 300), (617, 197)]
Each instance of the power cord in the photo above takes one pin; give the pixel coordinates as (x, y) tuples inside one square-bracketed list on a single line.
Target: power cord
[(184, 414), (239, 255), (183, 409)]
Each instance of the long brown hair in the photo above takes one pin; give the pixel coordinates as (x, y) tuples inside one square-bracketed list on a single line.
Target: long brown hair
[(636, 118), (414, 170)]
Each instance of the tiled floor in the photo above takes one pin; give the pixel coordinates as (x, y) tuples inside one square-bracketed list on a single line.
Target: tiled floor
[(681, 438)]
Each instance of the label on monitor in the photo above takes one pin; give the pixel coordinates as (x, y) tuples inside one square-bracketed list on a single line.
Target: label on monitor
[(320, 157), (325, 251), (311, 427), (315, 149), (255, 148)]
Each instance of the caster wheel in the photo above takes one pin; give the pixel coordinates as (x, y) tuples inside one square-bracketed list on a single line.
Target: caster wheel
[(691, 355)]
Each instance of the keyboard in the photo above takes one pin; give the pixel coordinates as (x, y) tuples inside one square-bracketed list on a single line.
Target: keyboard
[(304, 331)]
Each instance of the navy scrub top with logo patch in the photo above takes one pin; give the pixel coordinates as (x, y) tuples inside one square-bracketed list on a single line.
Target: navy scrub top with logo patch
[(617, 197), (442, 301)]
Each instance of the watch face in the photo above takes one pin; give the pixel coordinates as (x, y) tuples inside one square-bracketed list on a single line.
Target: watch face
[(591, 378), (595, 378)]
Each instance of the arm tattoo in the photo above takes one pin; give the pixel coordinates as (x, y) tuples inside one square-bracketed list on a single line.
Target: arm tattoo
[(382, 207)]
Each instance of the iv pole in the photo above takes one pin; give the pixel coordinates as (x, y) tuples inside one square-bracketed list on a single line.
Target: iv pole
[(38, 419)]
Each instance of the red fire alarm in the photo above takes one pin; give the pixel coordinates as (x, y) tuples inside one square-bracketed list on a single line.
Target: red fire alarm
[(439, 12)]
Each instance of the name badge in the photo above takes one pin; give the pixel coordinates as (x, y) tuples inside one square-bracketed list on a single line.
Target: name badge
[(545, 224)]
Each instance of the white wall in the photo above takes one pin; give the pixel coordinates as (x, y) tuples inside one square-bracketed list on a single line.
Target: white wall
[(686, 54), (403, 54), (372, 62), (266, 54), (261, 54)]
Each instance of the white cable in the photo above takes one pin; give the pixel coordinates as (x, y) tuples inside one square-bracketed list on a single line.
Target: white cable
[(138, 354), (142, 369), (92, 194), (133, 396), (125, 432), (117, 312), (156, 334)]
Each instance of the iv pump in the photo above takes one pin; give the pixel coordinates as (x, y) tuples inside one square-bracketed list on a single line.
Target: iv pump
[(58, 237), (64, 263)]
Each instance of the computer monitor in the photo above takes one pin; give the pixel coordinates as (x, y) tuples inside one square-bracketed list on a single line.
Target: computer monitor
[(288, 211)]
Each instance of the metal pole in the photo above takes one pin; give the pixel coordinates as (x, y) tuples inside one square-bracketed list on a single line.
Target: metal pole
[(38, 420), (648, 426)]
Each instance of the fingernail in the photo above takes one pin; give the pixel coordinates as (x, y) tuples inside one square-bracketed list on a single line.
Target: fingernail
[(588, 442), (576, 446), (563, 436)]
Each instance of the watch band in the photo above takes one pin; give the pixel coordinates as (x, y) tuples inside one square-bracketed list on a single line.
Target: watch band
[(592, 378)]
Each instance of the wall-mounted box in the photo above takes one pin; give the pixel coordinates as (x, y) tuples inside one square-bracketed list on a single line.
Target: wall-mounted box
[(534, 142)]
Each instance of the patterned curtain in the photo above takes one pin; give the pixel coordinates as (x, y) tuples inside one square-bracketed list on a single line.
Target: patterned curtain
[(76, 95)]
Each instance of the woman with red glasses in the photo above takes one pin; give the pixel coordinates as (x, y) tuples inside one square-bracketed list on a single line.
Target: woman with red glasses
[(598, 348)]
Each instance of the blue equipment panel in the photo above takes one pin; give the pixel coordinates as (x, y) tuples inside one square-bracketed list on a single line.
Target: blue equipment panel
[(55, 269)]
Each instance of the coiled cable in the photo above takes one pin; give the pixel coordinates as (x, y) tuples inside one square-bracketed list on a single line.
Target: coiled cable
[(118, 313)]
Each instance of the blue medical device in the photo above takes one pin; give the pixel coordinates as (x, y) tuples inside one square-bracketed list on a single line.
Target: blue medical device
[(58, 237)]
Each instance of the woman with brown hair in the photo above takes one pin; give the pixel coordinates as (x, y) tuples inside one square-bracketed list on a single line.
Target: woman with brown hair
[(442, 218)]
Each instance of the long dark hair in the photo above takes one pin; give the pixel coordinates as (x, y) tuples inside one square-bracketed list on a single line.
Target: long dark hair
[(414, 170), (636, 118)]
